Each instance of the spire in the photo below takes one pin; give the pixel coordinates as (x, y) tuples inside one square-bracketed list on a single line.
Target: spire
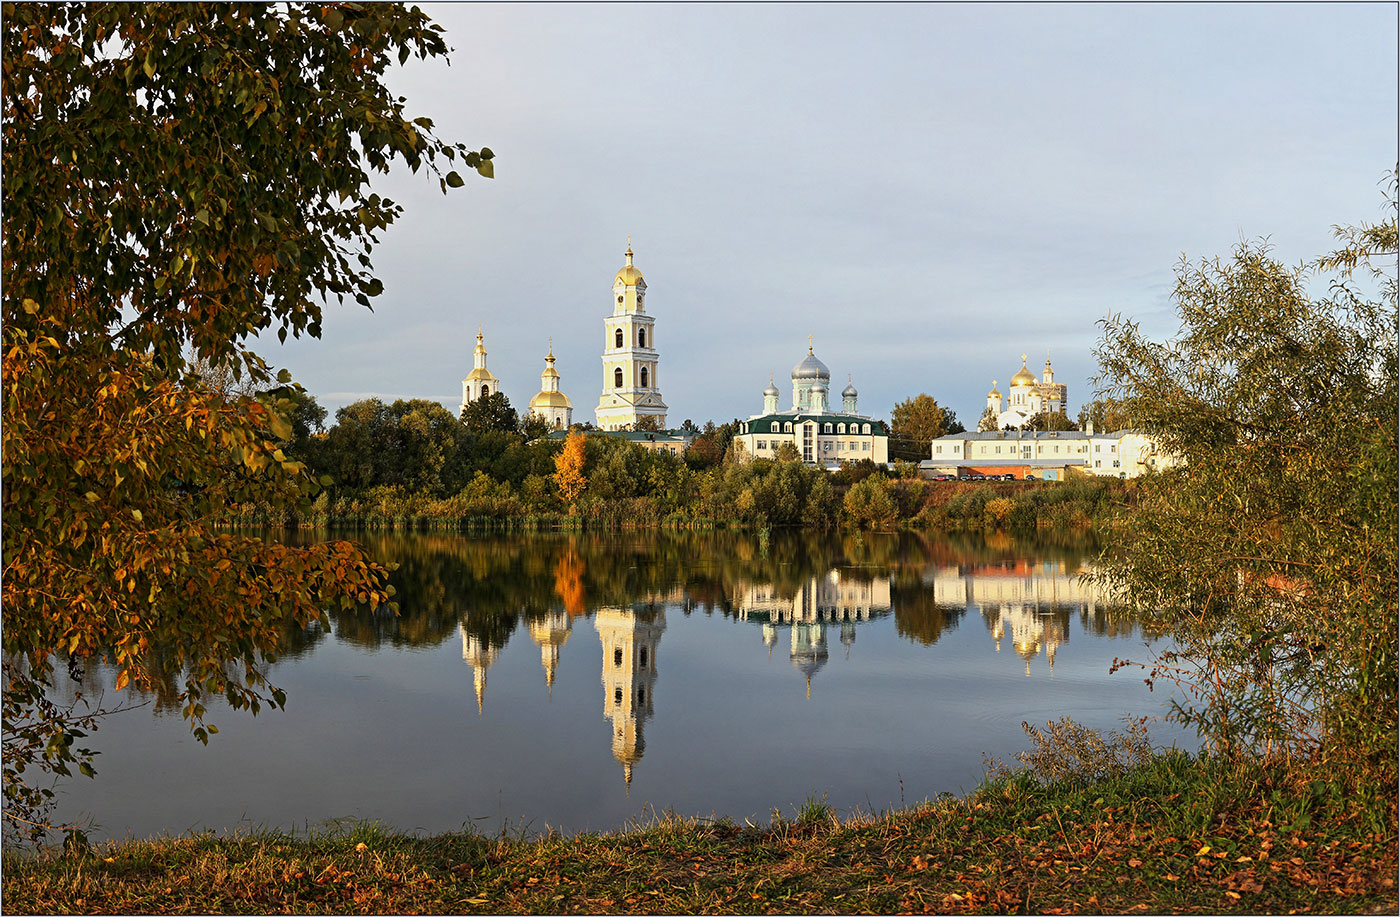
[(479, 679), (628, 253), (809, 344)]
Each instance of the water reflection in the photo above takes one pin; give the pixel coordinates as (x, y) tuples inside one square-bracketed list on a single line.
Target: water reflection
[(896, 687)]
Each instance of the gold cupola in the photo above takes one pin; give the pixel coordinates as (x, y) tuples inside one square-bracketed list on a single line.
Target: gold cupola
[(1023, 376)]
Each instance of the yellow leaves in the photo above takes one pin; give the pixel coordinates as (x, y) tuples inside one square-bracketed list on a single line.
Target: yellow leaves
[(1205, 849), (122, 680), (31, 306), (136, 514)]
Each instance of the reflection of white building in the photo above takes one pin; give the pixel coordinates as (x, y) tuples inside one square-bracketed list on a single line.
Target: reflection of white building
[(479, 655), (1028, 604), (550, 633), (831, 599), (629, 641)]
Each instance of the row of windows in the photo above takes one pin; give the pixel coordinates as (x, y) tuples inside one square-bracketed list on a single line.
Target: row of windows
[(617, 377), (840, 446), (641, 338), (617, 657), (826, 428)]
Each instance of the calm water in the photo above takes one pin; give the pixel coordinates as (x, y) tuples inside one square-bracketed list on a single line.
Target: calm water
[(582, 681)]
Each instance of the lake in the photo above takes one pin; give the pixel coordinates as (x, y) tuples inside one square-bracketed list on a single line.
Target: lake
[(586, 681)]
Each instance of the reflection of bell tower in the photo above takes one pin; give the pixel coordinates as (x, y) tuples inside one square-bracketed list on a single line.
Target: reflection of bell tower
[(479, 655), (629, 642), (808, 650), (550, 633)]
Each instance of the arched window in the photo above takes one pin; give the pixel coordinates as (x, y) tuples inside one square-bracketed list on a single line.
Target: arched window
[(644, 377), (787, 427), (617, 697), (617, 375), (641, 337), (826, 428), (485, 390), (840, 428), (617, 338), (644, 657), (865, 428), (617, 657), (641, 695)]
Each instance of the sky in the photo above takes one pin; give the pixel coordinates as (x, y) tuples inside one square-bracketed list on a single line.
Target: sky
[(929, 191)]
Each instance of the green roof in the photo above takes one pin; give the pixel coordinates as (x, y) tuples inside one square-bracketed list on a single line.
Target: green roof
[(848, 419)]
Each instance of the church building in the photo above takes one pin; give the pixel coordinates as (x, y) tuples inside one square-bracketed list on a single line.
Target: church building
[(479, 381), (822, 435), (1028, 397), (552, 405), (631, 386)]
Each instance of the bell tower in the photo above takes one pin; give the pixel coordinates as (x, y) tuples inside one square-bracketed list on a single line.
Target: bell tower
[(631, 386)]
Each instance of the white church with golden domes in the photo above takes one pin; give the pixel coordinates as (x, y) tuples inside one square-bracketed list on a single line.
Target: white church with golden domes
[(1028, 397)]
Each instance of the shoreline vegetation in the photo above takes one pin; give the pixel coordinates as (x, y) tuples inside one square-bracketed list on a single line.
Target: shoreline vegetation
[(1164, 833)]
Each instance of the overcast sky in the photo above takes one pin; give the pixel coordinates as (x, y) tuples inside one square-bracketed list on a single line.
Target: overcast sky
[(928, 190)]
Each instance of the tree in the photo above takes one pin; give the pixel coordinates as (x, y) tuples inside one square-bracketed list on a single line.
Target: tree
[(490, 412), (914, 424), (951, 424), (1270, 556), (988, 422), (1049, 420), (568, 469), (787, 452), (868, 504), (648, 423), (533, 426), (1106, 414), (178, 177)]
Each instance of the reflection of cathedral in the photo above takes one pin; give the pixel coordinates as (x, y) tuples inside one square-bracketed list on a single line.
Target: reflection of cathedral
[(629, 640), (1028, 603), (818, 602), (478, 654)]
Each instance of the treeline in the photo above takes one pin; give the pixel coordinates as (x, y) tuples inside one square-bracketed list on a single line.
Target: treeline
[(411, 463)]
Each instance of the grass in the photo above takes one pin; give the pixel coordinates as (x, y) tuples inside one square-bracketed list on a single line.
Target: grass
[(1171, 835)]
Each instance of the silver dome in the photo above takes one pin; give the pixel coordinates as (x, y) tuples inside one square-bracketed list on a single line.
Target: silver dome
[(811, 368)]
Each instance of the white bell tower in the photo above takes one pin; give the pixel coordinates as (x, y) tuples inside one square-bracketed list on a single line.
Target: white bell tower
[(631, 387)]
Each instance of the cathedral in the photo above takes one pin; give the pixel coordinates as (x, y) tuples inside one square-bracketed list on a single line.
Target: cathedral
[(1029, 397), (631, 385), (821, 434)]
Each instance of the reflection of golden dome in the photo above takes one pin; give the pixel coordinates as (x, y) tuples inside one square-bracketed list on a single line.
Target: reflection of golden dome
[(1023, 376)]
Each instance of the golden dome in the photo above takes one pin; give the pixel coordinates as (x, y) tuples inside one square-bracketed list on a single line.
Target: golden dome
[(481, 373), (629, 275), (551, 400), (1023, 376), (994, 393)]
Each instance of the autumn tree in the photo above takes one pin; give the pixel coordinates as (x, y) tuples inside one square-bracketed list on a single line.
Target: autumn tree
[(1108, 415), (914, 424), (988, 422), (177, 179), (1270, 554), (568, 468)]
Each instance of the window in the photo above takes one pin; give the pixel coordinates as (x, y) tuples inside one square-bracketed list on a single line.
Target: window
[(619, 297), (826, 446), (998, 450), (763, 444), (644, 657), (644, 377), (938, 449), (865, 446), (617, 697), (617, 375), (617, 338), (826, 428), (641, 337), (840, 428), (641, 695), (865, 429), (617, 657), (787, 427), (485, 390)]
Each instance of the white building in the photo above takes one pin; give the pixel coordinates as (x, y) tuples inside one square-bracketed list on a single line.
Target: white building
[(631, 386), (552, 405), (479, 382), (1049, 456), (823, 436), (630, 640)]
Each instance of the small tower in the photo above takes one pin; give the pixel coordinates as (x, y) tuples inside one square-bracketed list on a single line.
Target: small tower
[(550, 634), (479, 381), (819, 398), (631, 386), (552, 405), (994, 399), (848, 398), (770, 397)]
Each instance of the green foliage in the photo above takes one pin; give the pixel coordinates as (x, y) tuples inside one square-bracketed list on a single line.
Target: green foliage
[(1049, 420), (914, 424), (988, 422), (1108, 415), (490, 413), (868, 504), (177, 178), (1271, 555), (1066, 751)]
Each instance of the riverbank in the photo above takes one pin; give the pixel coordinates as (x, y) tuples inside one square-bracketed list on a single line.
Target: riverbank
[(1172, 835)]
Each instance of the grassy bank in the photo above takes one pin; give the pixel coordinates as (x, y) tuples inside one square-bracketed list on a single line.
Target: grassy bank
[(1174, 834)]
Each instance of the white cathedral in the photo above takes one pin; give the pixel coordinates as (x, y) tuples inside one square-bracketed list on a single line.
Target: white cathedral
[(1028, 397)]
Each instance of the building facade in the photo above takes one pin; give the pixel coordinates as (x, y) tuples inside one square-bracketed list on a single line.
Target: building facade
[(631, 384), (551, 405), (479, 382), (1049, 456), (822, 435)]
